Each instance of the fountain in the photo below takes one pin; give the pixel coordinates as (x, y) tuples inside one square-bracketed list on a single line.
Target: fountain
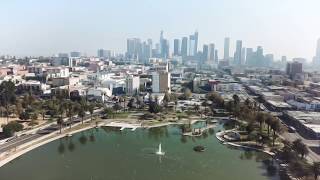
[(159, 152)]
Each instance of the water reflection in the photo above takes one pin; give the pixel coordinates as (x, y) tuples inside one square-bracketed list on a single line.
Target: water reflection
[(71, 146), (92, 138), (83, 139), (157, 133), (61, 147), (271, 167)]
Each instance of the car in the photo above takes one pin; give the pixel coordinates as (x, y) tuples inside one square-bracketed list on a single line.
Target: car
[(291, 129)]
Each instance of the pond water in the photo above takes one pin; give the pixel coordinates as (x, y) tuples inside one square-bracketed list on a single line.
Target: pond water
[(110, 154)]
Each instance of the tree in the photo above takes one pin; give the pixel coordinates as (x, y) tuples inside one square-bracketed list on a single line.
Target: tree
[(24, 116), (91, 107), (108, 112), (117, 107), (315, 169), (83, 106), (299, 147), (71, 110), (215, 98), (268, 120), (7, 96), (154, 108), (12, 127), (60, 123), (236, 99), (34, 118), (130, 103), (42, 109), (260, 118), (276, 128)]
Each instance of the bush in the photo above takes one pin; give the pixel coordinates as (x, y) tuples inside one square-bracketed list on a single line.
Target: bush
[(24, 116), (12, 127)]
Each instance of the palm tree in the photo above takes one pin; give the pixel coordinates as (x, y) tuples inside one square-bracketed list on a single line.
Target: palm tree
[(315, 169), (236, 99), (205, 104), (82, 109), (268, 120), (260, 118), (276, 127), (299, 147), (7, 96), (70, 111), (91, 109), (60, 122)]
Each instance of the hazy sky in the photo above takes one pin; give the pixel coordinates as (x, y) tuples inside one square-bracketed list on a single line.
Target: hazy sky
[(46, 27)]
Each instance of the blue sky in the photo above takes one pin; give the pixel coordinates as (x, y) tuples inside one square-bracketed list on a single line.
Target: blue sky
[(46, 27)]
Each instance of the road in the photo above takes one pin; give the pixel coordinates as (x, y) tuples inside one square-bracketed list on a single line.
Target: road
[(291, 136), (32, 135), (18, 141)]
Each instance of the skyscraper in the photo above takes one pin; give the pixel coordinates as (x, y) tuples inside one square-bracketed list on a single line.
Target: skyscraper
[(211, 52), (134, 48), (237, 54), (318, 49), (176, 47), (243, 55), (316, 59), (216, 58), (226, 48), (165, 48), (184, 47), (193, 44), (205, 53), (249, 57)]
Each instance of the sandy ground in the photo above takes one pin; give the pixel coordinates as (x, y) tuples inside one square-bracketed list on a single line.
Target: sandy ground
[(3, 121)]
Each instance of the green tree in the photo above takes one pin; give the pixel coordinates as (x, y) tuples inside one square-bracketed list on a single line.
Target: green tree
[(260, 118), (12, 127), (71, 110), (315, 169), (91, 107), (299, 147), (276, 128), (60, 123), (83, 107), (236, 99), (117, 107), (7, 96)]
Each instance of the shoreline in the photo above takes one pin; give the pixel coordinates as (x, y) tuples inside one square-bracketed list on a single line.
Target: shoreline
[(218, 136), (25, 148)]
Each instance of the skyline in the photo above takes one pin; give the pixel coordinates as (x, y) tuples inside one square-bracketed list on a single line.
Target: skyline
[(45, 28)]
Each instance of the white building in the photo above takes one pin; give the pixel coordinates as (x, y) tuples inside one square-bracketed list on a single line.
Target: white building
[(132, 84)]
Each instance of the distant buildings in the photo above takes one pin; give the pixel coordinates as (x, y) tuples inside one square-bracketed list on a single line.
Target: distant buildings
[(226, 55), (176, 47), (193, 44), (205, 54), (102, 53), (212, 52), (184, 47), (237, 54), (75, 54), (316, 59), (134, 48), (293, 68)]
